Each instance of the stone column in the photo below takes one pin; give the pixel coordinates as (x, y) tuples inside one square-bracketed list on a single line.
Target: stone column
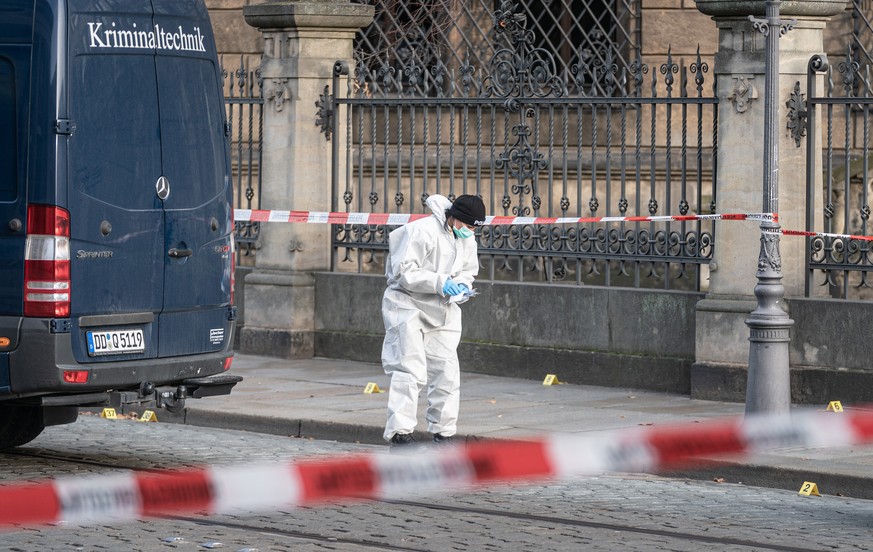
[(302, 41), (722, 347)]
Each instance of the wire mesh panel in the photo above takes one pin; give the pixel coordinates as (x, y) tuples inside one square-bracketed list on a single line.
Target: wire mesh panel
[(862, 31), (407, 37), (536, 138)]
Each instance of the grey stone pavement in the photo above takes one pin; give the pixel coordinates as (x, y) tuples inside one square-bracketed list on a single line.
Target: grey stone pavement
[(324, 399)]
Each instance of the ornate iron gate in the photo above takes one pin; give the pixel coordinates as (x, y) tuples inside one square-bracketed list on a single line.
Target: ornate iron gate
[(839, 264), (601, 139), (244, 101)]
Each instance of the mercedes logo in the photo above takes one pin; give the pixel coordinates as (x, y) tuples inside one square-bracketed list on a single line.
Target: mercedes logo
[(162, 187)]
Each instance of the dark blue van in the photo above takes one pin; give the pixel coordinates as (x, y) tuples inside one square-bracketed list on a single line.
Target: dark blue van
[(116, 220)]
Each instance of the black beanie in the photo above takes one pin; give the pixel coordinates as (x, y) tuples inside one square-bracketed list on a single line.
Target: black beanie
[(468, 209)]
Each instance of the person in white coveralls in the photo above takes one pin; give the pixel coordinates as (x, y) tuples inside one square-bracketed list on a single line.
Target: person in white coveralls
[(430, 260)]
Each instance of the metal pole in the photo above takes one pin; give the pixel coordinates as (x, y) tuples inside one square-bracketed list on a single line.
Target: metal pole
[(768, 389)]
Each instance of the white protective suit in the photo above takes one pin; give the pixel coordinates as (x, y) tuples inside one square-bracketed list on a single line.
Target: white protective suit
[(422, 331)]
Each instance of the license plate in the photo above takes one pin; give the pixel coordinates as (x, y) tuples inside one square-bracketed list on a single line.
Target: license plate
[(115, 342)]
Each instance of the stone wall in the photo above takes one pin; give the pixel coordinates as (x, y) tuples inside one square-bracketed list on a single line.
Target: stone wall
[(608, 337), (586, 335), (233, 38)]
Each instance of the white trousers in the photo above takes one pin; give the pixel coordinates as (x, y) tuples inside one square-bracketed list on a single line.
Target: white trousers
[(415, 356)]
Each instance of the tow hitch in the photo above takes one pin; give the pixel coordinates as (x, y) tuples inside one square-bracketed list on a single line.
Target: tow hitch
[(173, 399)]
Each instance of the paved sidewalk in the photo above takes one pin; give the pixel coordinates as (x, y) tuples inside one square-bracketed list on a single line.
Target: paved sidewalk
[(324, 399)]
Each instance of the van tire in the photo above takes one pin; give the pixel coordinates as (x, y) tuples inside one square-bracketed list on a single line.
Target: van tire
[(19, 425)]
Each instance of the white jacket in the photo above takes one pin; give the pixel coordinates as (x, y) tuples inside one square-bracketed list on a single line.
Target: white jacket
[(422, 255)]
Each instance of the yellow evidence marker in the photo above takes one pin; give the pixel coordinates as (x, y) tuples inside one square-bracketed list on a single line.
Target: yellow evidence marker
[(108, 413), (552, 379), (809, 489), (834, 406), (148, 416), (372, 388)]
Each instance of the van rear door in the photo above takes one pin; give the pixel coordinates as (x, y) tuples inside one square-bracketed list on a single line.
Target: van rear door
[(150, 207), (15, 54), (198, 218), (117, 220)]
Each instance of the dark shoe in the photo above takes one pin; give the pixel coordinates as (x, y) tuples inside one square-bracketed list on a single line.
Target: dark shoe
[(402, 439), (440, 439)]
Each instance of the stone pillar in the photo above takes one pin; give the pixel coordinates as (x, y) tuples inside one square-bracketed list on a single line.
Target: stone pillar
[(302, 41), (722, 347)]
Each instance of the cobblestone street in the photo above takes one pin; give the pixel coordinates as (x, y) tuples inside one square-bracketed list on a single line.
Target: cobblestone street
[(610, 512)]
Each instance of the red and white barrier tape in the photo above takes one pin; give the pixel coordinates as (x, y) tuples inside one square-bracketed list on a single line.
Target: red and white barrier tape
[(381, 475), (826, 235), (397, 219)]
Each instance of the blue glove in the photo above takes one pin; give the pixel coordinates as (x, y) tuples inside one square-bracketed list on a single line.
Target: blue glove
[(464, 288), (451, 288)]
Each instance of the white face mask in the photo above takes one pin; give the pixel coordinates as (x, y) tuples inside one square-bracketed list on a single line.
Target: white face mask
[(463, 232)]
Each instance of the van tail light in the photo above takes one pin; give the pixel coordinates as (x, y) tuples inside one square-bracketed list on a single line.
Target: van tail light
[(47, 262), (75, 376)]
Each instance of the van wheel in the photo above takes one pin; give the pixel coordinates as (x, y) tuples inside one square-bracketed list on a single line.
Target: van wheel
[(19, 425)]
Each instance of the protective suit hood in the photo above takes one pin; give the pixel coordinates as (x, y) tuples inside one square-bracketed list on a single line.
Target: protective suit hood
[(438, 204)]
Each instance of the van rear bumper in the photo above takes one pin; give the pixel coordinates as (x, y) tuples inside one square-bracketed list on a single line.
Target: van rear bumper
[(37, 365)]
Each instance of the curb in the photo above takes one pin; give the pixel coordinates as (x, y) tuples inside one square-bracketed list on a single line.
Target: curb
[(776, 477)]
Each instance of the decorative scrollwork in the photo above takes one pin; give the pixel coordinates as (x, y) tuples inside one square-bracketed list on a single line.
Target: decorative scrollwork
[(386, 75), (359, 83), (522, 163), (699, 68), (849, 70), (797, 113), (413, 74), (468, 82), (324, 112), (638, 69), (760, 25), (596, 69), (522, 71), (818, 64), (669, 69), (439, 72)]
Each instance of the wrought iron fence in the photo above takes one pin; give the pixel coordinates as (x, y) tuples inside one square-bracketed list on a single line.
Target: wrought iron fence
[(244, 102), (840, 265), (531, 140)]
